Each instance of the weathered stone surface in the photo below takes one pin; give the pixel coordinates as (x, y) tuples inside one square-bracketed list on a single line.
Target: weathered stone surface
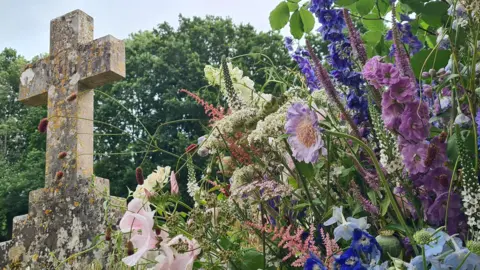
[(66, 215)]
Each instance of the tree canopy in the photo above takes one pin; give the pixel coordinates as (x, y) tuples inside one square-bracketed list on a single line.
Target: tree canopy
[(145, 105)]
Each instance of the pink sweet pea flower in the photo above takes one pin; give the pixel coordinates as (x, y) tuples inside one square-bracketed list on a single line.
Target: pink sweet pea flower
[(139, 220)]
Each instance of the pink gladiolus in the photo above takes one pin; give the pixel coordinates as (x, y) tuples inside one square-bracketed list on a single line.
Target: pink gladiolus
[(173, 184), (139, 220)]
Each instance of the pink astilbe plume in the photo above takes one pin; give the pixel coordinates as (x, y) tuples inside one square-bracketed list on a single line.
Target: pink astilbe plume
[(214, 113), (291, 240), (331, 248)]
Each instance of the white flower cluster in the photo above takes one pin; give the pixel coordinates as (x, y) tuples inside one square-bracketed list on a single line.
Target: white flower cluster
[(228, 125), (241, 176), (394, 163), (243, 85), (269, 129), (192, 186), (157, 177)]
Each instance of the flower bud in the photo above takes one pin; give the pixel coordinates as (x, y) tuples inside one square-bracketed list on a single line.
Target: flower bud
[(108, 234), (59, 175), (191, 148), (432, 72), (130, 249), (425, 74), (422, 237), (62, 155), (42, 126), (72, 97), (139, 175)]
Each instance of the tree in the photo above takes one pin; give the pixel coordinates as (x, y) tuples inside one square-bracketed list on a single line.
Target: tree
[(159, 63), (22, 161)]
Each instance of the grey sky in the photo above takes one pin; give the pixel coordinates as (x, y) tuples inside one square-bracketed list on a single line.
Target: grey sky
[(25, 24)]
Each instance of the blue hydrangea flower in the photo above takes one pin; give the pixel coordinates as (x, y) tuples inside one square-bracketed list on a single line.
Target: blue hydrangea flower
[(366, 245), (314, 263), (461, 256), (349, 260)]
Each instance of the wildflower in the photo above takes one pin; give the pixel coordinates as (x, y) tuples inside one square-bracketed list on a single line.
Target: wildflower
[(157, 177), (435, 214), (139, 220), (370, 70), (431, 240), (305, 138), (403, 90), (302, 57), (139, 175), (407, 37), (173, 184), (462, 120), (185, 253), (349, 260), (414, 122), (345, 228), (461, 258), (367, 245), (414, 156), (314, 263)]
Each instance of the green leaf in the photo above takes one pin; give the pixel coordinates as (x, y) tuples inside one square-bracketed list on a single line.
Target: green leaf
[(307, 19), (433, 13), (452, 148), (384, 205), (373, 23), (296, 25), (292, 6), (383, 6), (436, 60), (279, 16), (380, 47), (301, 206), (365, 6), (344, 3), (306, 169), (372, 37)]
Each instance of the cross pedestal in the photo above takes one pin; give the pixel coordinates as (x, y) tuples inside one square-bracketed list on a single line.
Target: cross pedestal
[(66, 215)]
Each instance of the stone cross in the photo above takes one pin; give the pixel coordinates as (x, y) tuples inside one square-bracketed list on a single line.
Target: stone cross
[(65, 215)]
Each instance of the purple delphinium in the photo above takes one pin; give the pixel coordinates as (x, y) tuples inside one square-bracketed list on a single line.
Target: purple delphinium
[(403, 90), (414, 157), (391, 111), (370, 70), (406, 36), (305, 137), (437, 210), (414, 122), (302, 58)]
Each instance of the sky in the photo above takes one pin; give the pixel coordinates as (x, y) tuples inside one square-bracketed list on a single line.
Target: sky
[(25, 24)]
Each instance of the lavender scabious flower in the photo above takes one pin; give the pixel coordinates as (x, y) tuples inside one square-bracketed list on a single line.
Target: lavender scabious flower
[(414, 122), (305, 137)]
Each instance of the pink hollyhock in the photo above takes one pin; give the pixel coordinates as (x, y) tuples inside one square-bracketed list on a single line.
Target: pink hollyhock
[(139, 220), (173, 183)]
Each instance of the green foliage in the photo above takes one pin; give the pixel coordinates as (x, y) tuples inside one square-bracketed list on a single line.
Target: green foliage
[(279, 16), (364, 6), (22, 158), (159, 63), (424, 60)]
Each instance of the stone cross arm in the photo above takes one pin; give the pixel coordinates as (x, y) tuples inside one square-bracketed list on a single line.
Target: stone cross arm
[(92, 65)]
